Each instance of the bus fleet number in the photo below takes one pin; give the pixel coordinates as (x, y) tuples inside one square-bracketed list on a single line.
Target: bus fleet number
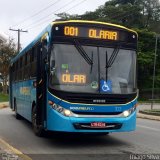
[(71, 31)]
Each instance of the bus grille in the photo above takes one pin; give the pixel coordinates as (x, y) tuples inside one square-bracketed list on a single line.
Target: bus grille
[(98, 99), (86, 98), (97, 113)]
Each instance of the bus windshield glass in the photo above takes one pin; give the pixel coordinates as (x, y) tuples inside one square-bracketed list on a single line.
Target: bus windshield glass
[(92, 69)]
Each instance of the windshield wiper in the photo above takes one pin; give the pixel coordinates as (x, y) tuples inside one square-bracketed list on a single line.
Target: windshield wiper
[(83, 53), (112, 58), (92, 62)]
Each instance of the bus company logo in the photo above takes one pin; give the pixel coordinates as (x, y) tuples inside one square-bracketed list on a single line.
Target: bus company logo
[(118, 109), (25, 90), (99, 101), (82, 108)]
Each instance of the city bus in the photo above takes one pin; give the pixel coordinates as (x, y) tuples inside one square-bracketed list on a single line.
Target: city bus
[(77, 77)]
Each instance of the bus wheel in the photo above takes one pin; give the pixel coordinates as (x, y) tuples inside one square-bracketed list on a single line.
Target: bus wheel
[(38, 129), (16, 114)]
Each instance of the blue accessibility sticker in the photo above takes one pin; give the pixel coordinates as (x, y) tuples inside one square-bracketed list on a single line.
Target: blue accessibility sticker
[(106, 86)]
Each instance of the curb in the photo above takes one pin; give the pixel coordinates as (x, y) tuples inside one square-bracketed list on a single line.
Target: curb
[(10, 152), (4, 105), (146, 116), (150, 113)]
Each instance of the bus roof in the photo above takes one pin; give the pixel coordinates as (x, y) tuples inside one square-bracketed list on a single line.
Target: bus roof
[(94, 22), (48, 29)]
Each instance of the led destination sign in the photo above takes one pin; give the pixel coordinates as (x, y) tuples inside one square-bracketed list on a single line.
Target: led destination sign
[(88, 31), (94, 33)]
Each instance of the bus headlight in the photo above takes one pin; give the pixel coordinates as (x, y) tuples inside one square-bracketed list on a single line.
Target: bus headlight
[(60, 109), (129, 112), (67, 113), (126, 113)]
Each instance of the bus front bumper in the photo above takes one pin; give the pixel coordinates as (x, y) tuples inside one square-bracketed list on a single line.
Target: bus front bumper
[(58, 122)]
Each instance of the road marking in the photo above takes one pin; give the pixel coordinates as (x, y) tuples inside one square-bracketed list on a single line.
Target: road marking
[(146, 127), (15, 151)]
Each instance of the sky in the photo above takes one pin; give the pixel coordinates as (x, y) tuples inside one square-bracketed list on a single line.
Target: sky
[(34, 15)]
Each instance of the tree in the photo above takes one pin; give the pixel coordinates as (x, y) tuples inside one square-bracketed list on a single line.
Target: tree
[(144, 14), (146, 54), (66, 16), (7, 51)]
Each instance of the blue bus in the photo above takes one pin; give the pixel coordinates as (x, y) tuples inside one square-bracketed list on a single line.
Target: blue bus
[(77, 76)]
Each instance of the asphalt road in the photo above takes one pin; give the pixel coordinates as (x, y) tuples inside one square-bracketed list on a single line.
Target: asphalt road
[(18, 133)]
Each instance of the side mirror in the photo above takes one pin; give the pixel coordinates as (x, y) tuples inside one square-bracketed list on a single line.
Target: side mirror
[(53, 69), (45, 41)]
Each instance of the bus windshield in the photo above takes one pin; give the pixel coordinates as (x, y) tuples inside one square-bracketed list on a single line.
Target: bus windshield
[(74, 73)]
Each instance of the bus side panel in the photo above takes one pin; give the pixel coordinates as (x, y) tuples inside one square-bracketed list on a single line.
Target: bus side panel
[(24, 93)]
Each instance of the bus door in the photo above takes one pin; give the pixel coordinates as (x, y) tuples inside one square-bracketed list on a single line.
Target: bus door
[(41, 91)]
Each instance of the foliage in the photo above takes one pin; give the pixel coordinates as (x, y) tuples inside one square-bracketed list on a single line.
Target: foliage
[(130, 13), (4, 97), (146, 49), (7, 51), (66, 16)]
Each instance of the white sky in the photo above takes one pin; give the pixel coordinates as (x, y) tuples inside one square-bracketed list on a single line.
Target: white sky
[(18, 14)]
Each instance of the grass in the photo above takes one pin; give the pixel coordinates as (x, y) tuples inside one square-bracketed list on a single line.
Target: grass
[(4, 97)]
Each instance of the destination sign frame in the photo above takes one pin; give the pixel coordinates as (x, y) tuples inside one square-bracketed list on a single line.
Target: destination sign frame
[(94, 32)]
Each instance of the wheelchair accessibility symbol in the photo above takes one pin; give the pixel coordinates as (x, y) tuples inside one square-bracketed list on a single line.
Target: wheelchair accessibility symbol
[(106, 86)]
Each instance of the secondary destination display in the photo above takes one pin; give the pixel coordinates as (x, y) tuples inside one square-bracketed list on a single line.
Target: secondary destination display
[(95, 33), (74, 78)]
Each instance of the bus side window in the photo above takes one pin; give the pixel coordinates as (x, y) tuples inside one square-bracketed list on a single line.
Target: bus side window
[(28, 57), (26, 66), (33, 61), (16, 73), (32, 55), (23, 70), (13, 72), (20, 68), (29, 64)]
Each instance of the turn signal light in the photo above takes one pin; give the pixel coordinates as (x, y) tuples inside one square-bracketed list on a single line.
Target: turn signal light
[(50, 103)]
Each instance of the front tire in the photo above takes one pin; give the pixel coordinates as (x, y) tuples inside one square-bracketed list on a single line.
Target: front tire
[(38, 129)]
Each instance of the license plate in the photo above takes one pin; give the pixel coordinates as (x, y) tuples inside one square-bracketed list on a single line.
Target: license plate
[(98, 124)]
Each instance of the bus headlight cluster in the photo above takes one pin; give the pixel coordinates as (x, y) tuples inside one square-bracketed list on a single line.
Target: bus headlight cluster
[(60, 109), (129, 112)]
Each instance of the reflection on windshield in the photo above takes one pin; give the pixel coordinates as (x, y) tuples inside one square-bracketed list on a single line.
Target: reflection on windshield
[(83, 52), (73, 73), (112, 57)]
